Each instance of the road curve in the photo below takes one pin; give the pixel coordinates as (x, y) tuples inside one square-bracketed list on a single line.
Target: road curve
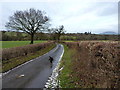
[(33, 74)]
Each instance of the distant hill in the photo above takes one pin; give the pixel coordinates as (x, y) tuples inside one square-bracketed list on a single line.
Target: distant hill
[(109, 33)]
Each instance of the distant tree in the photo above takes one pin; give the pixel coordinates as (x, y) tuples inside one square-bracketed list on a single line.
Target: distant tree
[(29, 21), (3, 32), (89, 32), (59, 31), (86, 33)]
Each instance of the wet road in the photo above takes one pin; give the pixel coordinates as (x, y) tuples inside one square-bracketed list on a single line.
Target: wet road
[(33, 74)]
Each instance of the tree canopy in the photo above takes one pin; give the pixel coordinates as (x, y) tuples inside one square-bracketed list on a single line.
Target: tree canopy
[(29, 21), (58, 32)]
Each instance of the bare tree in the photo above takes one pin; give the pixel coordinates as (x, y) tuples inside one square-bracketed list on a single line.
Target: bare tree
[(29, 21), (58, 32)]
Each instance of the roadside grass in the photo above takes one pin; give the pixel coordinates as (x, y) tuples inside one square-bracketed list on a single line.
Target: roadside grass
[(10, 44), (69, 41), (65, 74), (12, 63)]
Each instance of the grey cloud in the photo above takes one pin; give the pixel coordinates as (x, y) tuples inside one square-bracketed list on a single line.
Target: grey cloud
[(107, 8), (99, 8), (102, 8)]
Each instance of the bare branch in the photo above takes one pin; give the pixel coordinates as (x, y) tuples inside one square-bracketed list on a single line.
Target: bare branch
[(29, 21)]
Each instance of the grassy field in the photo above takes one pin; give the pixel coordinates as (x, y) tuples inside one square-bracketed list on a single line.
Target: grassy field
[(90, 65), (9, 44)]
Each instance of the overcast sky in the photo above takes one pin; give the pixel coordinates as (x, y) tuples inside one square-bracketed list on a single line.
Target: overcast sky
[(76, 15)]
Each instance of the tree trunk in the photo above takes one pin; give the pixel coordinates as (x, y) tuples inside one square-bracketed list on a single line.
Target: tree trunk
[(32, 38), (58, 37)]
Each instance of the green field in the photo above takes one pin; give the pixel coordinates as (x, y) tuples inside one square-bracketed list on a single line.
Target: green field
[(9, 44)]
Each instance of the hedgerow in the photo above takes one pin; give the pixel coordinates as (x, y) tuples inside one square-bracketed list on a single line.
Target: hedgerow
[(9, 53)]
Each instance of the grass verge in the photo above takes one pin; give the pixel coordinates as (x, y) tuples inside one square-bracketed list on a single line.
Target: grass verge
[(66, 62), (12, 63)]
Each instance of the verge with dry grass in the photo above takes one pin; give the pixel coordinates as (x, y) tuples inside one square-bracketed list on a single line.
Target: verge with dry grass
[(93, 64)]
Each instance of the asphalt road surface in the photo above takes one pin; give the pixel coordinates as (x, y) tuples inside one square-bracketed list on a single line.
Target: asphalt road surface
[(34, 73)]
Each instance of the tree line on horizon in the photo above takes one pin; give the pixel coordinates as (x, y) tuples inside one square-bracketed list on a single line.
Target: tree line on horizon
[(22, 36)]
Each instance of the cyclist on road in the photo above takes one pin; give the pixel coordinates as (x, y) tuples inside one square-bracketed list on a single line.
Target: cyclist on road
[(51, 59)]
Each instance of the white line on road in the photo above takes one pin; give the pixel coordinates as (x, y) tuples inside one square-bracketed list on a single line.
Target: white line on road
[(52, 81)]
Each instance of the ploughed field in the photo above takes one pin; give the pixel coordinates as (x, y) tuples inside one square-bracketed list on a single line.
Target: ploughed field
[(91, 64)]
